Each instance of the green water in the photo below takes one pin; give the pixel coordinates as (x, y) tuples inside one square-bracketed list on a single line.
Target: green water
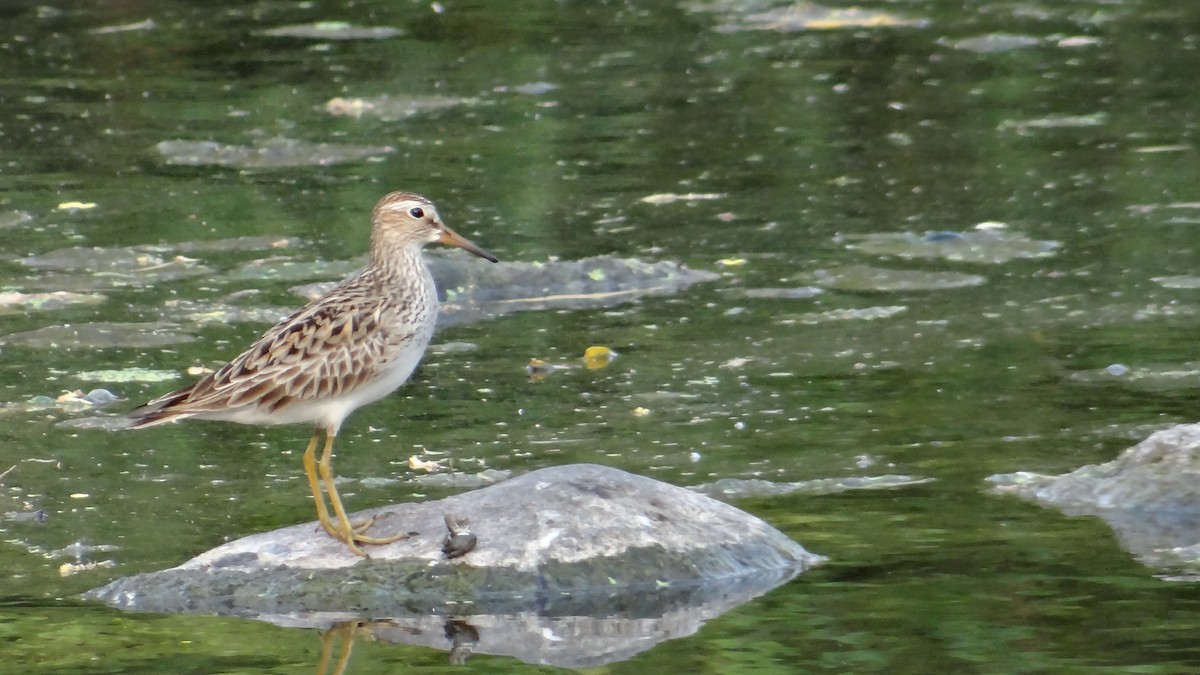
[(1086, 139)]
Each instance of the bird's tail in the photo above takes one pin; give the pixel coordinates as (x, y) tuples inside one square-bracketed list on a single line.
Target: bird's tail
[(161, 410)]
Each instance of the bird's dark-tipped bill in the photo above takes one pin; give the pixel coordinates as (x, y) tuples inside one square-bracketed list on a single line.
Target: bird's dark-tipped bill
[(451, 238)]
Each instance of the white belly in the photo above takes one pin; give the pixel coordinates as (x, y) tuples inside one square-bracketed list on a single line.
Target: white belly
[(330, 412)]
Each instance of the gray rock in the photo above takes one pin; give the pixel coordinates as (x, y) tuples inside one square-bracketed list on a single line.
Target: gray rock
[(564, 541), (1148, 495)]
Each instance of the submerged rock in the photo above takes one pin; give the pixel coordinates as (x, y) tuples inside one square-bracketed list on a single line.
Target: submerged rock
[(1149, 495), (99, 335), (742, 488), (471, 292), (572, 540), (14, 218), (990, 246), (1152, 377), (14, 301), (273, 153), (880, 279)]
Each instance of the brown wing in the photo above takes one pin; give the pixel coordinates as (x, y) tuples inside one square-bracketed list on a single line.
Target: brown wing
[(318, 352)]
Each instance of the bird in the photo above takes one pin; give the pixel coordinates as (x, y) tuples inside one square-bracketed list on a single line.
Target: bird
[(350, 347)]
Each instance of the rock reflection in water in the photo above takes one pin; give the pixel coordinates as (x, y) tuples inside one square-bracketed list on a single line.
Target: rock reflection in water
[(566, 641)]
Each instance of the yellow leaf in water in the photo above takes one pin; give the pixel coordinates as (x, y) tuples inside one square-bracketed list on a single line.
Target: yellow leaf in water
[(595, 358), (76, 206), (731, 262)]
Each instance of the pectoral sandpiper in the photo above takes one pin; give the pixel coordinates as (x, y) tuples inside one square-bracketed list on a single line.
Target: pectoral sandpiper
[(354, 345)]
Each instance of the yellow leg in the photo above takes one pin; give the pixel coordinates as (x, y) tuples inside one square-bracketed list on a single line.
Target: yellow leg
[(310, 470), (351, 533)]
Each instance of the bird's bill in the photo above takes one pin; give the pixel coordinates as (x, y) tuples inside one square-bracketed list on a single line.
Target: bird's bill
[(451, 238)]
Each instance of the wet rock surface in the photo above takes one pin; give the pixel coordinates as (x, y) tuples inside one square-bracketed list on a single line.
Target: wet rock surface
[(1149, 495), (562, 541)]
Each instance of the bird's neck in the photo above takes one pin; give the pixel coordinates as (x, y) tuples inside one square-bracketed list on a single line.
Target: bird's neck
[(399, 262)]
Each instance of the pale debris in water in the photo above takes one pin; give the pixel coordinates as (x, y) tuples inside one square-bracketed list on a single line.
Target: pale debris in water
[(392, 108), (333, 30), (1079, 41), (417, 464), (1163, 148), (1024, 127), (76, 206), (147, 24), (69, 401), (670, 197), (92, 398), (539, 369), (67, 569), (802, 16)]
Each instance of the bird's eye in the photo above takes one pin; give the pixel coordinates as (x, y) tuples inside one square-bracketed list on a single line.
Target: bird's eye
[(416, 212)]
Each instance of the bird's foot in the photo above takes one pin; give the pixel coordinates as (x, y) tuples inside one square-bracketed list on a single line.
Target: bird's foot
[(354, 533)]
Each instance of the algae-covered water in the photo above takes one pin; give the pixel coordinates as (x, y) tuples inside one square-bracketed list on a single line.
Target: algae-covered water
[(950, 241)]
